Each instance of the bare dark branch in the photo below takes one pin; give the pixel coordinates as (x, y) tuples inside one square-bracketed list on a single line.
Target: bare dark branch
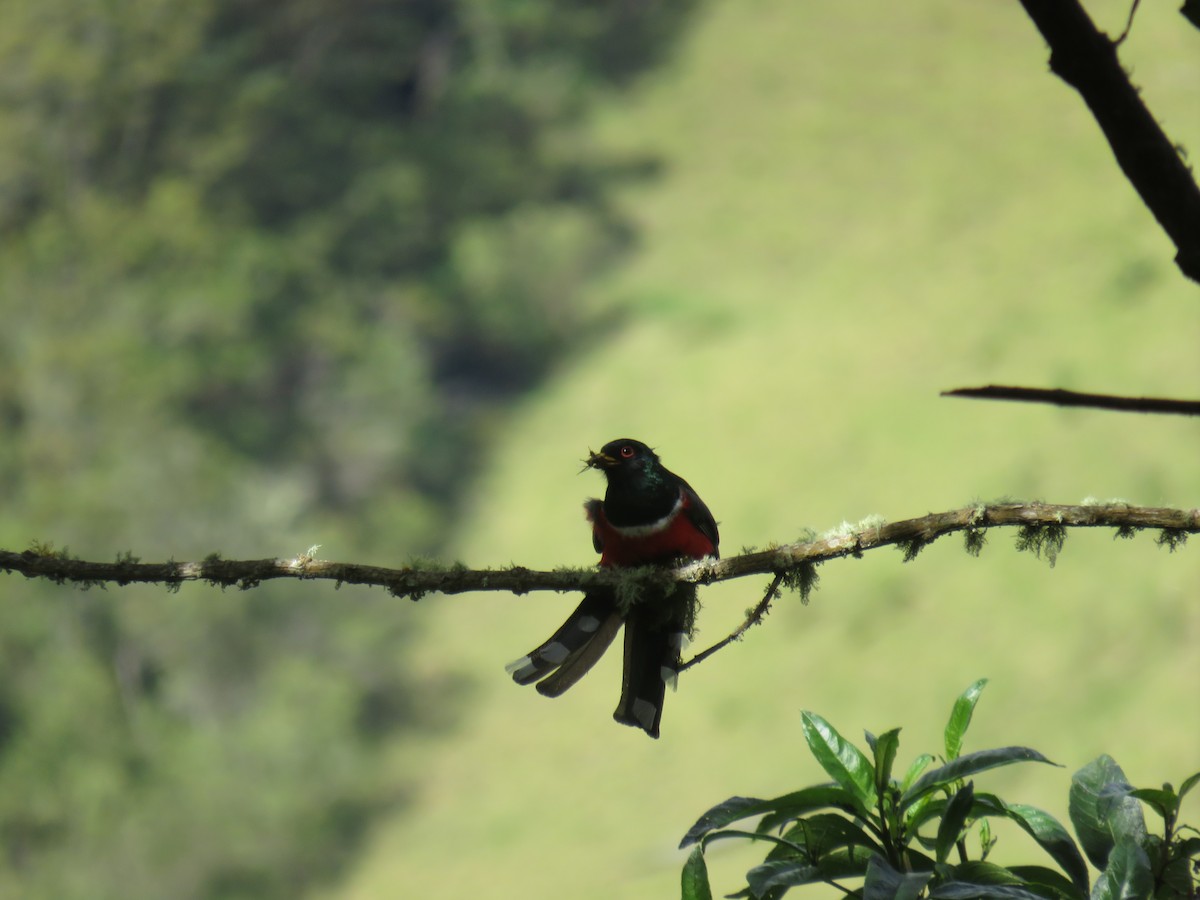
[(1086, 59), (1060, 397)]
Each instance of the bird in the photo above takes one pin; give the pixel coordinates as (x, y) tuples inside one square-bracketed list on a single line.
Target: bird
[(649, 516)]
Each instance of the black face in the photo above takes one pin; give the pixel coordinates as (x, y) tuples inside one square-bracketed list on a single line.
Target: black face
[(640, 490), (624, 454)]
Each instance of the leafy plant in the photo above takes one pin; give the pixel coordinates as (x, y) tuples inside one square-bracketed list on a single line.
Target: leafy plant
[(907, 838)]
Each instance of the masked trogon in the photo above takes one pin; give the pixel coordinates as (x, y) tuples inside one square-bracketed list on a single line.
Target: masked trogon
[(649, 516)]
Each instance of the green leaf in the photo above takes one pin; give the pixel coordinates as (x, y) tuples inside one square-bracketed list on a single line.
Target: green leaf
[(917, 814), (884, 883), (1124, 816), (792, 806), (978, 872), (780, 809), (916, 861), (884, 749), (844, 762), (953, 820), (962, 890), (945, 776), (1174, 879), (1165, 803), (726, 833), (845, 862), (930, 807), (1051, 882), (781, 873), (1098, 815), (915, 768), (960, 718), (1127, 875), (695, 877), (986, 841), (1054, 839), (1188, 783), (825, 832), (722, 814)]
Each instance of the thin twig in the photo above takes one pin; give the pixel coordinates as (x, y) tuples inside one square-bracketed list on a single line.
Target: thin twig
[(1060, 397), (1129, 23), (753, 618)]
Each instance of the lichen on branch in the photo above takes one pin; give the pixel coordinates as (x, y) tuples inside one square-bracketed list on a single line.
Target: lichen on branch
[(794, 561)]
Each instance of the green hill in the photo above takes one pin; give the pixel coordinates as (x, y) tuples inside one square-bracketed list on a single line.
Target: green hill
[(861, 205)]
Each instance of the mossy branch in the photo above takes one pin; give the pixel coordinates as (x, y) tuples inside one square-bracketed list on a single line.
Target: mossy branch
[(1042, 528)]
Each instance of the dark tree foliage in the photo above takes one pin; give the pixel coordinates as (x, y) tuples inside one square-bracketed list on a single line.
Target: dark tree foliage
[(267, 271)]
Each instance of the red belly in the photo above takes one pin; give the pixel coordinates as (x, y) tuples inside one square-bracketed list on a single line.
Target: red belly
[(678, 538)]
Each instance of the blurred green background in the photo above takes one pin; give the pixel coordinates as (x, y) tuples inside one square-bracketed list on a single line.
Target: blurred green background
[(374, 277)]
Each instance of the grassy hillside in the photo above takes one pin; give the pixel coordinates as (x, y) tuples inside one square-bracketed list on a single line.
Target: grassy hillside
[(862, 204)]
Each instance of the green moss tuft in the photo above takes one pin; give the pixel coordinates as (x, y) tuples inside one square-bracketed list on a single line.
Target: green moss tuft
[(912, 547), (1171, 538), (803, 580), (1043, 540), (974, 539)]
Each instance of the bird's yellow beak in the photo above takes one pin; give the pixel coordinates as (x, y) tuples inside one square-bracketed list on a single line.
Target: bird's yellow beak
[(599, 461)]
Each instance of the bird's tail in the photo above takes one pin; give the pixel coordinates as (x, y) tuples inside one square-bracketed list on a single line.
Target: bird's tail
[(654, 638), (571, 651)]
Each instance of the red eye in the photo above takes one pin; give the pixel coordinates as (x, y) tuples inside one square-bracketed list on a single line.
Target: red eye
[(627, 452)]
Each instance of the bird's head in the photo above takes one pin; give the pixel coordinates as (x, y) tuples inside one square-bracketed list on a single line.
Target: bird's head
[(622, 457)]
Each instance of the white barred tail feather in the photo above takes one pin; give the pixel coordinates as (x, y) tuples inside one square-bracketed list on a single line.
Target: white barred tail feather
[(581, 660), (654, 636), (574, 647)]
